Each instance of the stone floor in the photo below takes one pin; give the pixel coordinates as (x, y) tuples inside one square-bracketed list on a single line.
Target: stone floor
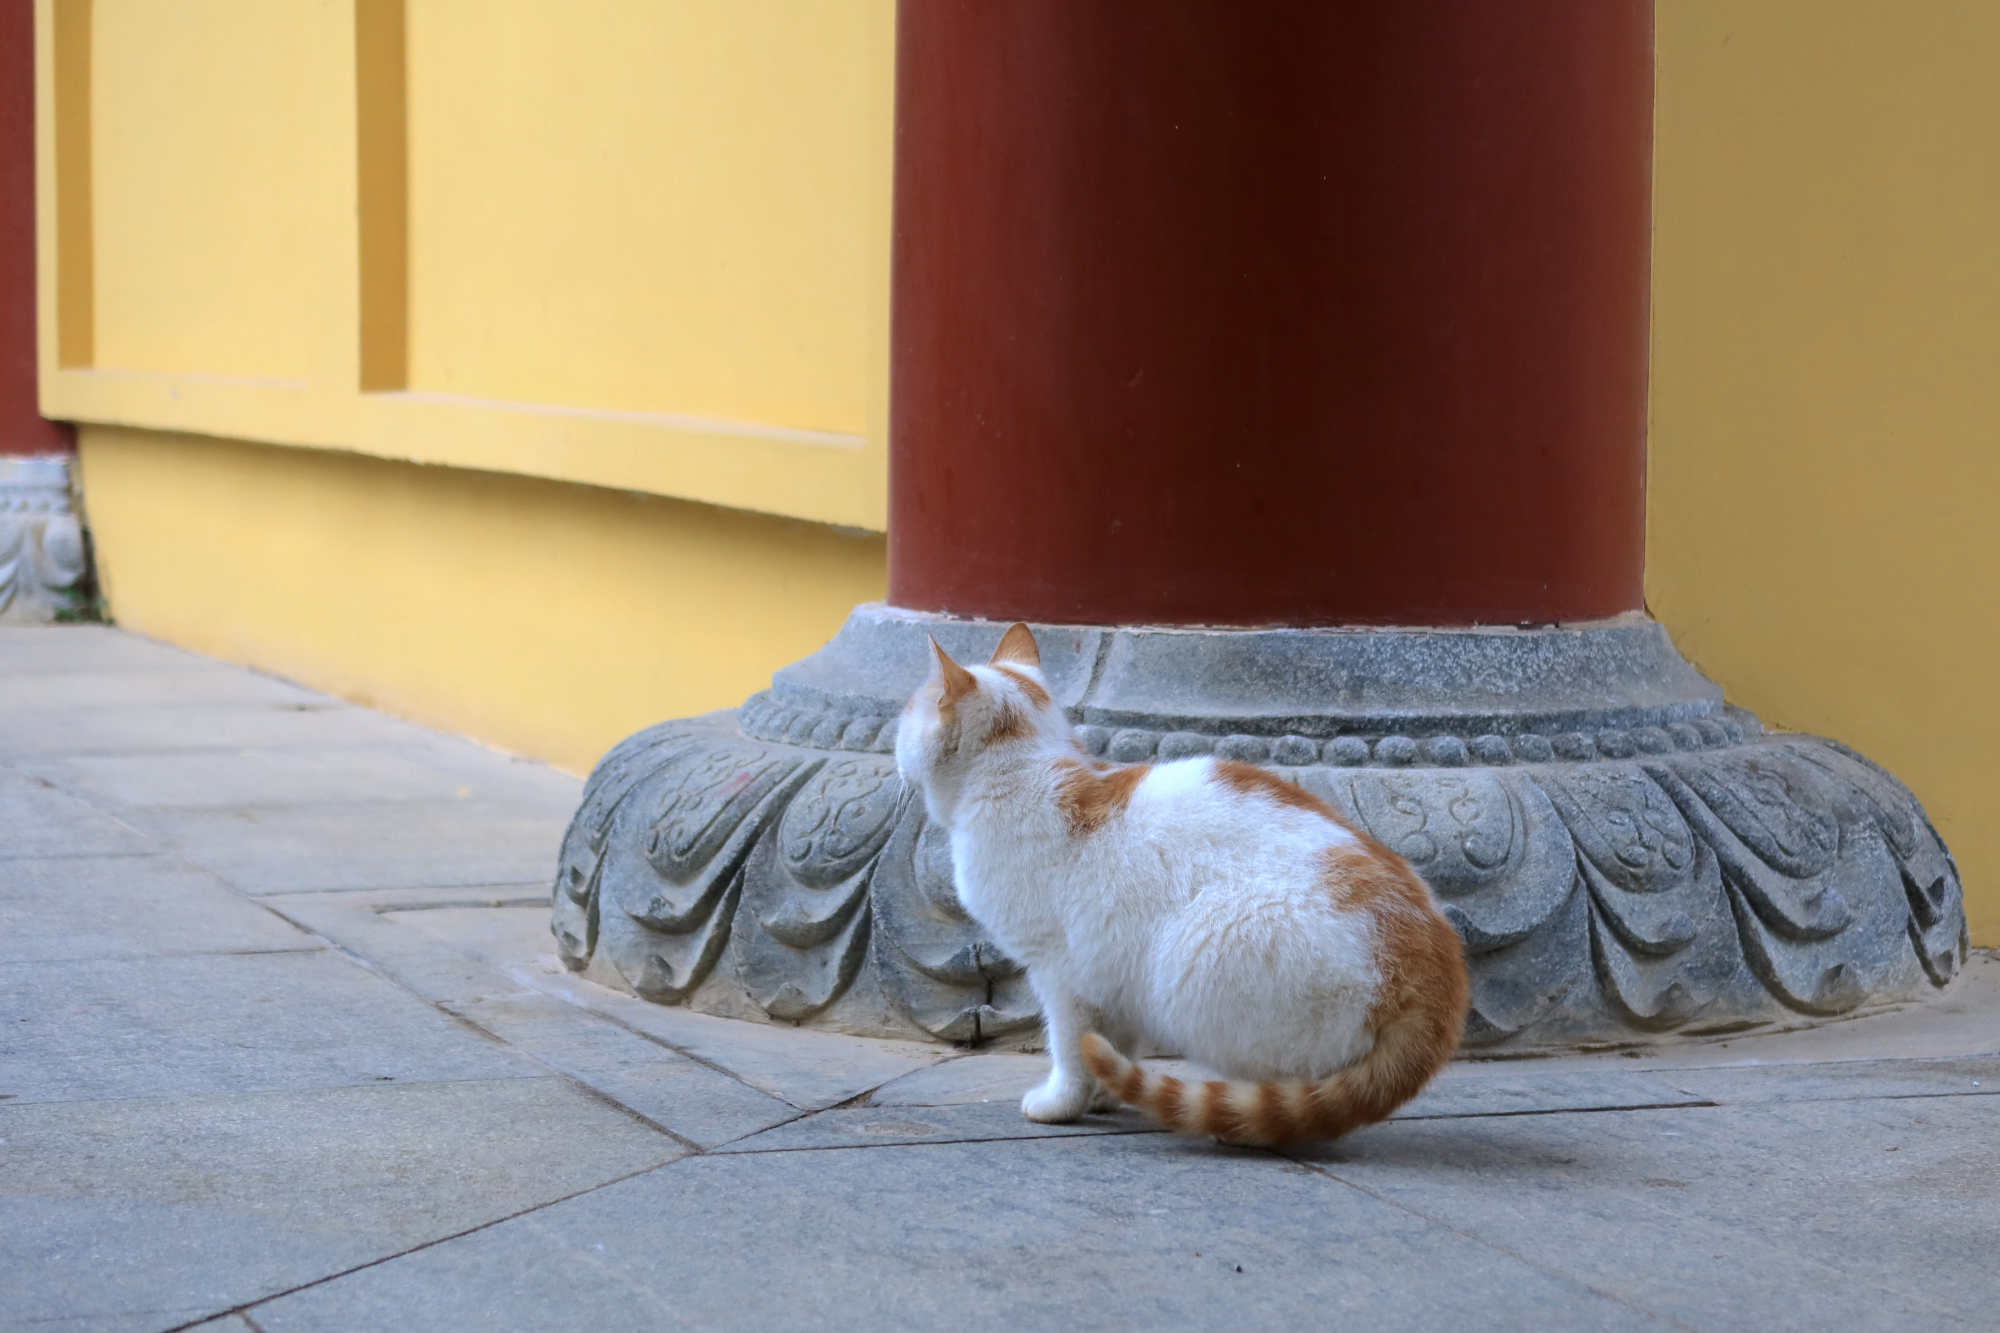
[(283, 1047)]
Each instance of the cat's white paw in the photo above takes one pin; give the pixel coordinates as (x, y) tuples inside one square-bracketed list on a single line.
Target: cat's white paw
[(1055, 1103), (1104, 1099)]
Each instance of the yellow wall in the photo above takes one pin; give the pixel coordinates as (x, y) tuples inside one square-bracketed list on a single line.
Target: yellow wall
[(549, 619), (1826, 382), (640, 244), (693, 177), (502, 301)]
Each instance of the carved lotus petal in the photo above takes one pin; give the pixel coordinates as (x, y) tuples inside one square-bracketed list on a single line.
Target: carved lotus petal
[(839, 820), (1775, 803), (1624, 823)]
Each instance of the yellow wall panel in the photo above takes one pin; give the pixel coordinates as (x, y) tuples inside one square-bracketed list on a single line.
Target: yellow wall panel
[(221, 182), (1826, 382), (548, 619), (650, 207)]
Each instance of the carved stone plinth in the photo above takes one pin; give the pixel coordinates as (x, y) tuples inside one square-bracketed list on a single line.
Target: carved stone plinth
[(42, 558), (1621, 851)]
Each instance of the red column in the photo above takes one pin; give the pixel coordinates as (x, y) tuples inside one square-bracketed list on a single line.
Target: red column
[(1243, 312), (22, 429)]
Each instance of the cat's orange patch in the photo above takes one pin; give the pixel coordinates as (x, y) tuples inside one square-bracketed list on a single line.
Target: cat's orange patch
[(1088, 799), (1031, 687), (1254, 781), (1010, 723), (1018, 645), (958, 682), (1425, 991)]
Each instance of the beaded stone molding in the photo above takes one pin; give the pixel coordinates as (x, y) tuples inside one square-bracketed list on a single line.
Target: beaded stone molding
[(42, 558), (1621, 852)]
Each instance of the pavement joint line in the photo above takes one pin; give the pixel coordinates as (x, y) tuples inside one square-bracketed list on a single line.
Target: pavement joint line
[(161, 850), (600, 1095), (1567, 1110), (515, 974), (1553, 1274), (243, 1310), (1112, 1132), (170, 953), (12, 1100), (554, 1070)]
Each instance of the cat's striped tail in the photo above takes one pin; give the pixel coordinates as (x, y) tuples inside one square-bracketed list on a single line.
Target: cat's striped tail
[(1277, 1112)]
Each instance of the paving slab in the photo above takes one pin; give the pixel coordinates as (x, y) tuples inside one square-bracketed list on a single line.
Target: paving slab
[(706, 1106), (811, 1070), (504, 937), (224, 1022), (363, 845), (86, 689), (326, 725), (37, 820), (1109, 1232), (889, 1126), (1860, 1214), (356, 922), (999, 1077), (1845, 1081), (154, 1212), (46, 650), (249, 778), (81, 909)]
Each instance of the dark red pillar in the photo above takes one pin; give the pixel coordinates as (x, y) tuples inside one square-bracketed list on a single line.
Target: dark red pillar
[(1249, 312), (22, 429)]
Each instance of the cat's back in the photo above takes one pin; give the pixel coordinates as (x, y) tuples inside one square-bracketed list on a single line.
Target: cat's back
[(1221, 809)]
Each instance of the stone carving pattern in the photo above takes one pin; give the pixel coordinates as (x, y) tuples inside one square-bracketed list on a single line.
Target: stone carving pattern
[(1672, 889), (42, 553)]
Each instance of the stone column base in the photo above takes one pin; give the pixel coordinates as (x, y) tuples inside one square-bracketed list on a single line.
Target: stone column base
[(42, 560), (1622, 852)]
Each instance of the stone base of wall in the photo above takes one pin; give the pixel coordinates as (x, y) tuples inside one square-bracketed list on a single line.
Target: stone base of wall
[(1622, 852), (43, 560)]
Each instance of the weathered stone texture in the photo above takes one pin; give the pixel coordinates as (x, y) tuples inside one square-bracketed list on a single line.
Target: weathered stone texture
[(1620, 850)]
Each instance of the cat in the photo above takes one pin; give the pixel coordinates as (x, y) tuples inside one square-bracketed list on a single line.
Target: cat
[(1203, 906)]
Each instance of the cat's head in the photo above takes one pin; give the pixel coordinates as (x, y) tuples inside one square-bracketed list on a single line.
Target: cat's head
[(961, 713)]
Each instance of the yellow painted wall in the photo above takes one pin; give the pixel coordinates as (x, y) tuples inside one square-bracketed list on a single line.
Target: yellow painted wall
[(1825, 449), (641, 244), (420, 344), (652, 207), (548, 619), (210, 253)]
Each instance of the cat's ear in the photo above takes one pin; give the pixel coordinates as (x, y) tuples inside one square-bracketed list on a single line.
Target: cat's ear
[(958, 682), (1018, 645)]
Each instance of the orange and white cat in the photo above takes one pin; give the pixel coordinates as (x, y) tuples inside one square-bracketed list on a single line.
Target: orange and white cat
[(1204, 906)]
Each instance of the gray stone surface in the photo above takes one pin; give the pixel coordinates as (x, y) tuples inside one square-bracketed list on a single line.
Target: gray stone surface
[(888, 1126), (161, 1210), (1847, 1081), (1864, 1214), (37, 820), (259, 778), (76, 649), (781, 1180), (126, 907), (43, 558), (177, 1025), (1622, 854), (150, 728), (363, 845), (91, 690), (1111, 1232)]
